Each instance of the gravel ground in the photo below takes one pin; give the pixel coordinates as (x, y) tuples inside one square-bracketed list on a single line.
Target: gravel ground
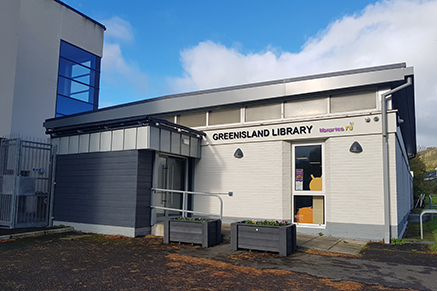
[(75, 261)]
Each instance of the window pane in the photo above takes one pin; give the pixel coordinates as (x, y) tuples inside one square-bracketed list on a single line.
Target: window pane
[(224, 116), (263, 112), (309, 209), (75, 90), (305, 107), (67, 106), (78, 79), (76, 72), (78, 55), (353, 102), (193, 120), (308, 168)]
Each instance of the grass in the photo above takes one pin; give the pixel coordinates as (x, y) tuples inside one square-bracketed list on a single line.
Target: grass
[(429, 233)]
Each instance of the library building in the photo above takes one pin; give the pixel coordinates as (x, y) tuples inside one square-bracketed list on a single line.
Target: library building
[(328, 152)]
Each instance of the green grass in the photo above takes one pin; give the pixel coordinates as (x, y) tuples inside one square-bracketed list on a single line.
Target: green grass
[(429, 232)]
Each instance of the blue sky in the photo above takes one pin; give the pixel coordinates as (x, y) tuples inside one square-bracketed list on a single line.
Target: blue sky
[(154, 48)]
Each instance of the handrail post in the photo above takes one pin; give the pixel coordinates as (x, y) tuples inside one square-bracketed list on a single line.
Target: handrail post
[(184, 204), (184, 209), (421, 226)]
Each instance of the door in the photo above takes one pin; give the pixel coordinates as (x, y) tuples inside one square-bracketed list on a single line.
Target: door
[(308, 184), (171, 176)]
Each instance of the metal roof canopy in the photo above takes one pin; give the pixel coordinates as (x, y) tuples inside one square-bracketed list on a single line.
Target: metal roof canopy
[(389, 75)]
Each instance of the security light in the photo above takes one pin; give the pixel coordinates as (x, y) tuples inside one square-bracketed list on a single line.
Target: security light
[(356, 148), (238, 154)]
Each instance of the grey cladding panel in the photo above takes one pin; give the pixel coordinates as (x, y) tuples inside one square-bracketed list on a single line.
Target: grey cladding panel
[(97, 188), (144, 185)]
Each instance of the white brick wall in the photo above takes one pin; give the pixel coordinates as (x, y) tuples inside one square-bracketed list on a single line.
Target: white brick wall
[(261, 181), (354, 186), (256, 180)]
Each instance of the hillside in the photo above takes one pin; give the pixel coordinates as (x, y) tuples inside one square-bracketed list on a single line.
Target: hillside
[(425, 161), (429, 158)]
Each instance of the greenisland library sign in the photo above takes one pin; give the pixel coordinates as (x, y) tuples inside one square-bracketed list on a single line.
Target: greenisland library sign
[(244, 134), (292, 131)]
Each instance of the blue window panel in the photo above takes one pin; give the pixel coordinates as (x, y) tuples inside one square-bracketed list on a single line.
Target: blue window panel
[(77, 72), (75, 90), (67, 106), (79, 56), (78, 80)]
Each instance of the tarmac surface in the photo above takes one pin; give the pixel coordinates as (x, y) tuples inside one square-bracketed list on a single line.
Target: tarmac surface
[(73, 261)]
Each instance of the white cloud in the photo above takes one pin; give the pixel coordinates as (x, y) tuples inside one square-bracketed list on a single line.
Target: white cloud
[(118, 29), (116, 69), (386, 32)]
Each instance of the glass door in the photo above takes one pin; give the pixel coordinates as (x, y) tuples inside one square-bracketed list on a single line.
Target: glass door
[(308, 184), (171, 176)]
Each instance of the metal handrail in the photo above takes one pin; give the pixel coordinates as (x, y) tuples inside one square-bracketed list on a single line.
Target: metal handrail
[(184, 209), (425, 211)]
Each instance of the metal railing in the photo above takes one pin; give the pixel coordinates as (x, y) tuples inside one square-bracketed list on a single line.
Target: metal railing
[(184, 209)]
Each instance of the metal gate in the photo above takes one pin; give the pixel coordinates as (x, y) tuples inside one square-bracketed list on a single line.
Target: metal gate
[(25, 183)]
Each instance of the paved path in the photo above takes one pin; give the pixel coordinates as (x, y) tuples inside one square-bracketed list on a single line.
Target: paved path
[(349, 268)]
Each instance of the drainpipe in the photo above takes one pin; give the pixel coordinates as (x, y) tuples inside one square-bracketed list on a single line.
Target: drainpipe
[(385, 158)]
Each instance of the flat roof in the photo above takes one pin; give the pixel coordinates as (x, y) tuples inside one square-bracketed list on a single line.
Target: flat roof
[(388, 75), (82, 14)]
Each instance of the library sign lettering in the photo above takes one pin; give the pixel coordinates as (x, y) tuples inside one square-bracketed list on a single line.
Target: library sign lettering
[(245, 134)]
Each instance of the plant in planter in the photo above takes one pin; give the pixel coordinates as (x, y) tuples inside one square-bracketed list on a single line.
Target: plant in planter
[(266, 235), (207, 232)]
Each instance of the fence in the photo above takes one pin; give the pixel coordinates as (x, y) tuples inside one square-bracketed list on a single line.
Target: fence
[(25, 183)]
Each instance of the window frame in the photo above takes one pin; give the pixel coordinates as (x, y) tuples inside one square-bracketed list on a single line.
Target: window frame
[(308, 193), (94, 75)]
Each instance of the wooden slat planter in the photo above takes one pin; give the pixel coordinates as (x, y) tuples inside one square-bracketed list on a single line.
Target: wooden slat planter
[(207, 233), (270, 238)]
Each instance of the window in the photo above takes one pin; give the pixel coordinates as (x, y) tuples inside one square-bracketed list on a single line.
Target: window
[(308, 189), (192, 119), (78, 81), (224, 116), (353, 102), (305, 107), (263, 112)]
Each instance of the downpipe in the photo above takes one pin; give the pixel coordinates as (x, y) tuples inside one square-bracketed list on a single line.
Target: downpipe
[(385, 158)]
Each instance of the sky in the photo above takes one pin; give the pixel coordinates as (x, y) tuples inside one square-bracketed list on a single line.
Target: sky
[(154, 48)]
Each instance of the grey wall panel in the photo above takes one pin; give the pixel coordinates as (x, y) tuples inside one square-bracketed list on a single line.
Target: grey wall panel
[(84, 143), (185, 145), (154, 142), (130, 138), (165, 141), (105, 141), (73, 147), (144, 185), (175, 143), (117, 140), (97, 188), (95, 142), (143, 134), (63, 145)]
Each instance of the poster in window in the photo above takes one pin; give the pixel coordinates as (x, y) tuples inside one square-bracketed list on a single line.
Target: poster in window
[(299, 179)]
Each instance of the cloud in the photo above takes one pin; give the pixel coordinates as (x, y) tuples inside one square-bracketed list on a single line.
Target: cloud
[(118, 29), (382, 33), (117, 71)]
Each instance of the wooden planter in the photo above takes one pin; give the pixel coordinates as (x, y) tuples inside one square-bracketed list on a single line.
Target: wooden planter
[(270, 238), (207, 233)]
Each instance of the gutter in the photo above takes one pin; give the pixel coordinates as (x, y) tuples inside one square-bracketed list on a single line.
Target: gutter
[(385, 158)]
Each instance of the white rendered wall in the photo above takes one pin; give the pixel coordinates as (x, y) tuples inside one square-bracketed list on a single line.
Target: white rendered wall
[(256, 180), (354, 181), (39, 28)]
